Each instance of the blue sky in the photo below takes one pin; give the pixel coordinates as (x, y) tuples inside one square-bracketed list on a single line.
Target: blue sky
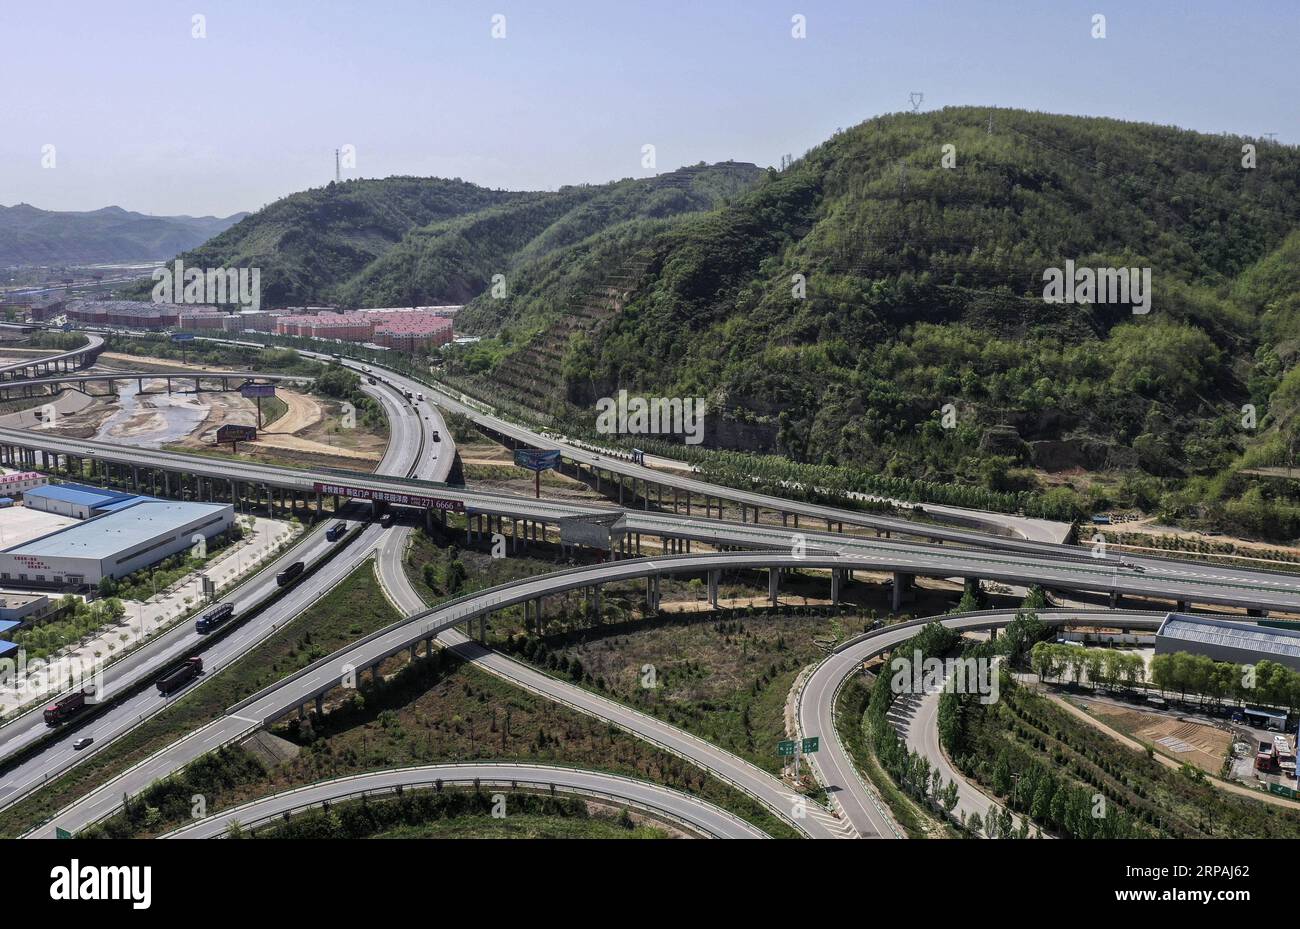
[(144, 116)]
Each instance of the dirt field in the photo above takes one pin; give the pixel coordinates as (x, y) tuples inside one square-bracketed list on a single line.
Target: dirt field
[(1203, 746), (308, 432)]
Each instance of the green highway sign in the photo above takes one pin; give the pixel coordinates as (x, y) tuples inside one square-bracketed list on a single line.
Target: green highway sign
[(61, 833), (790, 747)]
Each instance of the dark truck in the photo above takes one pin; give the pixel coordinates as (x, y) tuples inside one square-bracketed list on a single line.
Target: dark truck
[(290, 574), (336, 531), (179, 676), (214, 618), (66, 708)]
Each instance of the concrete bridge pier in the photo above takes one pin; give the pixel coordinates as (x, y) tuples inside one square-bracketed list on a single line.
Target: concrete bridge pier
[(902, 584), (773, 585), (714, 577)]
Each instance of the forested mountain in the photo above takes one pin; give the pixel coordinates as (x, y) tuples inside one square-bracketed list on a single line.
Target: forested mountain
[(30, 236), (310, 242), (924, 287), (406, 240), (453, 261)]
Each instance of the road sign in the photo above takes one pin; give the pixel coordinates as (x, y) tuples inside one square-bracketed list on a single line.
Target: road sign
[(182, 337), (253, 391), (232, 432), (785, 747), (61, 833), (592, 531), (536, 460), (811, 744)]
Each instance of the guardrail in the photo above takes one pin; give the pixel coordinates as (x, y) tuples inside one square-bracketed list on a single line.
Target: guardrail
[(435, 777)]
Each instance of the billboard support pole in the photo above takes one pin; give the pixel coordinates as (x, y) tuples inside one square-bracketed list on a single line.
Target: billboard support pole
[(537, 484)]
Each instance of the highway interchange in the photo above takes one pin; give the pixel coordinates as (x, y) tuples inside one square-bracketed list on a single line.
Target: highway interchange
[(977, 555)]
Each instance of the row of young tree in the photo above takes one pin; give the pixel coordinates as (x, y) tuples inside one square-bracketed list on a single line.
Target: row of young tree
[(1106, 667), (1267, 683)]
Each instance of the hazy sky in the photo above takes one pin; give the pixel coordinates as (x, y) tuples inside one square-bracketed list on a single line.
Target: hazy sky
[(143, 115)]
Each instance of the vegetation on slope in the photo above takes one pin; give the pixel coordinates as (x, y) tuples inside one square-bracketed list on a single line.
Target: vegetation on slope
[(922, 287)]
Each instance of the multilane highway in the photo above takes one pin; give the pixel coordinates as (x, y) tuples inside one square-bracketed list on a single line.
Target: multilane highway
[(351, 662), (1011, 561), (406, 450)]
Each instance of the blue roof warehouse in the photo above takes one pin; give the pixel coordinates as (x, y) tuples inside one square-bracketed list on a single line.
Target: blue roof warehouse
[(119, 534)]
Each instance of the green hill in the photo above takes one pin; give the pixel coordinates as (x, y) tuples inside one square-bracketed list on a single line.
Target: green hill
[(924, 287), (309, 243), (453, 261)]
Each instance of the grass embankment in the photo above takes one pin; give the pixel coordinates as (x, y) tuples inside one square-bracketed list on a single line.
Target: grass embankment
[(272, 409), (723, 676), (350, 611), (1077, 781), (433, 710)]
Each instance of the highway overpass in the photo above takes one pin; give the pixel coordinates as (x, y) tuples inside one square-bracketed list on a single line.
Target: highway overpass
[(696, 815)]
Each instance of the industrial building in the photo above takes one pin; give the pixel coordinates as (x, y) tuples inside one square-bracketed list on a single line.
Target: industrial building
[(119, 536), (80, 501), (17, 483), (1223, 640)]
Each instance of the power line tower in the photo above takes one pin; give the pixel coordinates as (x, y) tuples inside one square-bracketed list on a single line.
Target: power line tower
[(338, 175)]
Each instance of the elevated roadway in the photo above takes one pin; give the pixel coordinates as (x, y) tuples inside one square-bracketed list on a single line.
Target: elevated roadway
[(81, 357), (406, 451), (312, 682), (695, 814)]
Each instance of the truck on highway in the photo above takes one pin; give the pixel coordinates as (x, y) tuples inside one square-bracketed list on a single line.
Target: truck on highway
[(437, 436), (335, 532), (214, 618), (66, 708), (290, 574), (420, 397), (387, 519), (179, 676)]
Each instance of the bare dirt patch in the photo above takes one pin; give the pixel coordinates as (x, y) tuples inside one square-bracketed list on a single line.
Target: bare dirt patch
[(1182, 740)]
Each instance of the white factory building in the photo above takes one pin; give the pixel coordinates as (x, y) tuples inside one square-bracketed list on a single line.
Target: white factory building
[(123, 536)]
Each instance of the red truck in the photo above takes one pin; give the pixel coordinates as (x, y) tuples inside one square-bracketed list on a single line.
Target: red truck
[(65, 709), (181, 675)]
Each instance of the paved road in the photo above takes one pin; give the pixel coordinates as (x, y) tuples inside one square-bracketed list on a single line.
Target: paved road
[(404, 451), (93, 345), (402, 593), (750, 778), (835, 768), (698, 814)]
